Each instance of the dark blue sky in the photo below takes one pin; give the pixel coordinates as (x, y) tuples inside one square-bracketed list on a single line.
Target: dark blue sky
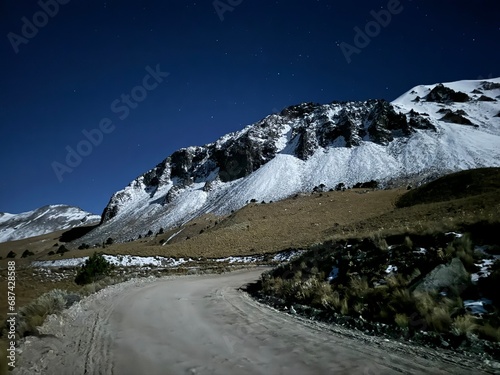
[(223, 75)]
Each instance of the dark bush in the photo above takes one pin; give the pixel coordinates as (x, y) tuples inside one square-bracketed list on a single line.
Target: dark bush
[(62, 249), (11, 254), (27, 253), (95, 268)]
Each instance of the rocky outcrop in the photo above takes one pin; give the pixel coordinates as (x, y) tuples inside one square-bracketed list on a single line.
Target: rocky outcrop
[(443, 94), (237, 155), (486, 85), (456, 117), (383, 122), (306, 145), (445, 278), (419, 121), (484, 98)]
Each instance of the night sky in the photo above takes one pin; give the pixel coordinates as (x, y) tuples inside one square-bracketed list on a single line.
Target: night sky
[(154, 76)]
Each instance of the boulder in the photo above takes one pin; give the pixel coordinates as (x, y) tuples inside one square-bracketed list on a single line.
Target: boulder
[(445, 278)]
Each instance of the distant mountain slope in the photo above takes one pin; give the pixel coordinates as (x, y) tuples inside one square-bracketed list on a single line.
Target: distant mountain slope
[(427, 132), (455, 186), (43, 220)]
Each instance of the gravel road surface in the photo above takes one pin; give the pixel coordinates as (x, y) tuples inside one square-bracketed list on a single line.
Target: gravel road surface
[(208, 325)]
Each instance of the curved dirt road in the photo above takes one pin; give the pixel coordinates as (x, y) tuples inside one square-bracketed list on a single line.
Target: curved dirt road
[(206, 325)]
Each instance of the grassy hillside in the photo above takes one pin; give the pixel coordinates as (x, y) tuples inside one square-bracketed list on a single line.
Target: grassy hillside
[(303, 221), (483, 181)]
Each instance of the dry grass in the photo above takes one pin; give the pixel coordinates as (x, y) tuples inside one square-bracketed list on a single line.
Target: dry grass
[(402, 320), (359, 286), (297, 222), (439, 319), (489, 332), (260, 228), (25, 292), (33, 314), (464, 325), (39, 245)]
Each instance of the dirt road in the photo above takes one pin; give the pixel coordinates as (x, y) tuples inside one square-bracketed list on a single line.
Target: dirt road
[(206, 325)]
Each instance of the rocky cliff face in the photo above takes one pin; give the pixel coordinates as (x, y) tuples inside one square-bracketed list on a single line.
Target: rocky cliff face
[(305, 145)]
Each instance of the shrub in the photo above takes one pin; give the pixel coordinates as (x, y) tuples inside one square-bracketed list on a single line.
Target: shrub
[(11, 254), (425, 302), (344, 306), (464, 325), (439, 319), (335, 300), (95, 268), (396, 281), (83, 246), (91, 288), (62, 249), (359, 286), (27, 253), (322, 294), (401, 301), (489, 332), (109, 241), (33, 315), (402, 320)]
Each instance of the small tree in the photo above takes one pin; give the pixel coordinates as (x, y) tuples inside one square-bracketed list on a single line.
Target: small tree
[(95, 268), (62, 249), (109, 241), (27, 253)]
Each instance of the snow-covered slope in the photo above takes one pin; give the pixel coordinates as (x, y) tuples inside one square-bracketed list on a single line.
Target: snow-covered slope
[(43, 220), (429, 131)]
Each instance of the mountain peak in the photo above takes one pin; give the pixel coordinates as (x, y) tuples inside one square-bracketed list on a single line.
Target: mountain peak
[(428, 131), (43, 220)]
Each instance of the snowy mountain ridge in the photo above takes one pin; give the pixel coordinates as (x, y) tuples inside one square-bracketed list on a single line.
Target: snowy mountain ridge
[(428, 131), (43, 220)]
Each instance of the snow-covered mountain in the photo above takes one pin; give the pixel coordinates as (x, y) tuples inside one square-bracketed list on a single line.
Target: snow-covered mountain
[(429, 131), (43, 220)]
